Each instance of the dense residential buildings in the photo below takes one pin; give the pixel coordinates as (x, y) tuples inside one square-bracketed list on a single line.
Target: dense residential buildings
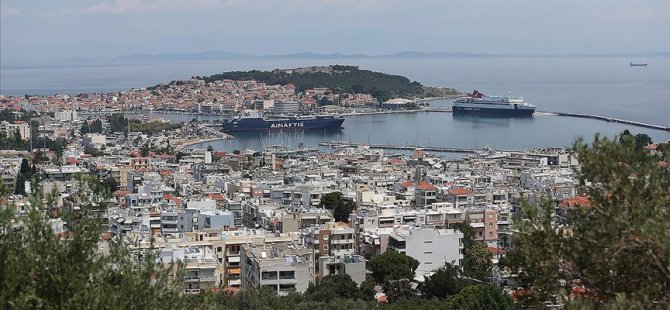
[(255, 218)]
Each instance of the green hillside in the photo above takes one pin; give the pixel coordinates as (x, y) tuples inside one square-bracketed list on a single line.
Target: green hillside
[(342, 79)]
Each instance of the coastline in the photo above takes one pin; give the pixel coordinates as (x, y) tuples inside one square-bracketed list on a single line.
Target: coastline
[(192, 142)]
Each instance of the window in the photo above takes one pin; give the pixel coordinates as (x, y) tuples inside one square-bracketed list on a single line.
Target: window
[(287, 274), (219, 249), (428, 241), (490, 224), (269, 275), (325, 237), (490, 216), (325, 247), (286, 287), (428, 252)]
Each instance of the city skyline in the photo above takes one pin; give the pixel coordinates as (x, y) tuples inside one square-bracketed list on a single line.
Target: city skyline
[(79, 30)]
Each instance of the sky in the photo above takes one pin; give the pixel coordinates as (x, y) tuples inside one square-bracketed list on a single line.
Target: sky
[(58, 30)]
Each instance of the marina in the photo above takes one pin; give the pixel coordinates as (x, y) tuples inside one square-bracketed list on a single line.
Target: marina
[(337, 144)]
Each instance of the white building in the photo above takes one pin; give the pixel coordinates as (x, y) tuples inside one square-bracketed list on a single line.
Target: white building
[(94, 140), (10, 129), (66, 115), (281, 267), (430, 246)]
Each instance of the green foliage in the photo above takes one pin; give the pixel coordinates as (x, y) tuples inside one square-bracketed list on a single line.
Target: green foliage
[(642, 140), (535, 256), (96, 126), (84, 128), (42, 270), (483, 296), (332, 287), (477, 260), (117, 122), (144, 150), (446, 281), (392, 266), (25, 167), (20, 188), (618, 247), (341, 208), (381, 86), (398, 290), (7, 115)]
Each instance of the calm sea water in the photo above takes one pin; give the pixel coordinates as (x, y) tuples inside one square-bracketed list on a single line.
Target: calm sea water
[(602, 86)]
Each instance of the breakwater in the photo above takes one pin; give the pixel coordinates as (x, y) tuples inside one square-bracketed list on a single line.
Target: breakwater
[(613, 120)]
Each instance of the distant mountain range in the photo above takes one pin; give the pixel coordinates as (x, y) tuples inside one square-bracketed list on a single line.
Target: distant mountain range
[(221, 55)]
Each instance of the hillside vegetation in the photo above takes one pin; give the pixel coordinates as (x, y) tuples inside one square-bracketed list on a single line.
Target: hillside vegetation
[(341, 79)]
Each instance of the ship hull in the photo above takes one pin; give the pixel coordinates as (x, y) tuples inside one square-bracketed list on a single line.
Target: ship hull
[(261, 124), (493, 112)]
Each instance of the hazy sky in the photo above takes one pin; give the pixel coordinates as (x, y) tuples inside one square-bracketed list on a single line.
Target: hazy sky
[(44, 30)]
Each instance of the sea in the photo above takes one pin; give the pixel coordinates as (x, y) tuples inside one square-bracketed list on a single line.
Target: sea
[(605, 86)]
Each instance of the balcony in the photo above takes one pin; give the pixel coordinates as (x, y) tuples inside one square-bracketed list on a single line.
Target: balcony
[(235, 282), (169, 230), (208, 279), (341, 241)]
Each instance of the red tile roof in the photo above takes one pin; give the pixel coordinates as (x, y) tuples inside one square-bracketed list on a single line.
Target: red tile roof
[(407, 184), (575, 201), (217, 197), (121, 192), (460, 191), (426, 186)]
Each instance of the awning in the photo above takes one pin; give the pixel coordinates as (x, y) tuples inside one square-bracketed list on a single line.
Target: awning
[(234, 270)]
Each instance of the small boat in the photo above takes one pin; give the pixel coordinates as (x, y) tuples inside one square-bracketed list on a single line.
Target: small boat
[(632, 64)]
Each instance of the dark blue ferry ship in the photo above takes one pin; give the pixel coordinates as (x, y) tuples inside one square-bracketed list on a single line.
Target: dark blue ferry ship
[(305, 122), (502, 106)]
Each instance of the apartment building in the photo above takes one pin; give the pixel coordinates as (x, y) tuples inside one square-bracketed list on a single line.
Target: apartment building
[(282, 267)]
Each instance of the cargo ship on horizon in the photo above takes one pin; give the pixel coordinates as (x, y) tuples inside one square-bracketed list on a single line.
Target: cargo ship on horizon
[(304, 122), (496, 106)]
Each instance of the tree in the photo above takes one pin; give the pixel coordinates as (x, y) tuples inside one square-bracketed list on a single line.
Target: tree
[(330, 200), (17, 137), (7, 115), (392, 266), (399, 289), (477, 260), (144, 150), (482, 296), (341, 209), (84, 128), (642, 140), (446, 281), (624, 135), (25, 167), (117, 122), (20, 188), (615, 247), (96, 126), (40, 269), (332, 287)]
